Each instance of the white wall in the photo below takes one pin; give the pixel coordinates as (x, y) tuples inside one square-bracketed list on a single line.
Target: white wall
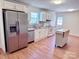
[(2, 45), (71, 21)]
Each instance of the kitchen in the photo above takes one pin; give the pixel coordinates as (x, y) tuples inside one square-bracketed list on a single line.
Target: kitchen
[(39, 29), (36, 33)]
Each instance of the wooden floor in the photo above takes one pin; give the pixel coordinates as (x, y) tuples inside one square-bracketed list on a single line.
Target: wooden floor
[(70, 51), (44, 49)]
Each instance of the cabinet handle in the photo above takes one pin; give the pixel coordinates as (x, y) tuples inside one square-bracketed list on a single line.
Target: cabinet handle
[(17, 27)]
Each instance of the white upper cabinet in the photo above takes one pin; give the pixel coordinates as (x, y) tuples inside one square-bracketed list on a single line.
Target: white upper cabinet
[(36, 35), (9, 5), (43, 15), (49, 16), (46, 16), (20, 7), (14, 6), (25, 9)]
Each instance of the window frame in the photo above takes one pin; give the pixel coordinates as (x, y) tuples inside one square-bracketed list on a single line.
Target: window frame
[(30, 22), (57, 20)]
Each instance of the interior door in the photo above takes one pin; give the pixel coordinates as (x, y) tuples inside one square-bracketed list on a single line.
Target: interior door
[(11, 29), (23, 34)]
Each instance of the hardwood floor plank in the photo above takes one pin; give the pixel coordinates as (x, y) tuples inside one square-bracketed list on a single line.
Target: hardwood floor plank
[(70, 51), (45, 49)]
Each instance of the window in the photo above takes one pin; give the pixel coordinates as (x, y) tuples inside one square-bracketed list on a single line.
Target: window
[(35, 17), (41, 16), (59, 21)]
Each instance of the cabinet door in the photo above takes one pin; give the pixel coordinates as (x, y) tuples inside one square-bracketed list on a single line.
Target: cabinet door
[(41, 32), (9, 5), (23, 26), (26, 10), (49, 16), (43, 16), (20, 7), (45, 32), (37, 37)]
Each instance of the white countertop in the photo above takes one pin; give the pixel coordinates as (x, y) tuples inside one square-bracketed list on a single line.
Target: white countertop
[(62, 30), (31, 29)]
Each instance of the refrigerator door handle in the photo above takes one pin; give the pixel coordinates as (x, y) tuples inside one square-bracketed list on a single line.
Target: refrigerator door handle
[(17, 27)]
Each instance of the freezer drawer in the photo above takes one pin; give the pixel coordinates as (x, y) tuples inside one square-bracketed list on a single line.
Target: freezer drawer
[(12, 43)]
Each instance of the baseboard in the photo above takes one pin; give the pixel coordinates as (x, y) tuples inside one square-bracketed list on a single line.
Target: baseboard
[(74, 35)]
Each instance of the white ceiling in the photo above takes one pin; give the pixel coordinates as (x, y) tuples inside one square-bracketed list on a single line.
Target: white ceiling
[(68, 4)]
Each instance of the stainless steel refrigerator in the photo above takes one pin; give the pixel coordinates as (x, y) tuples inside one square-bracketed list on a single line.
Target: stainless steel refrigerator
[(15, 27)]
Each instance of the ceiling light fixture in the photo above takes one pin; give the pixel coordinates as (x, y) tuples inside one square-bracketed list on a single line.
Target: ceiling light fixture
[(71, 9), (57, 1)]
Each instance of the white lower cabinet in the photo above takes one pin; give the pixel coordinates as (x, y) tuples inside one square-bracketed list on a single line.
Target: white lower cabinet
[(36, 36), (41, 34)]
